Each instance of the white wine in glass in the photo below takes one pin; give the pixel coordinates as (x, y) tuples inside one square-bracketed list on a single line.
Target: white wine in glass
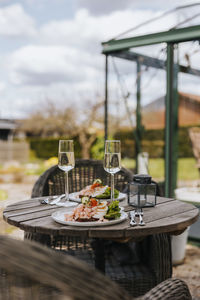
[(66, 162), (112, 161)]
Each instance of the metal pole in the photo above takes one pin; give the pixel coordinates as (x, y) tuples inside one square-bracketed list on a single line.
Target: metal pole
[(138, 132), (174, 136), (106, 101), (171, 124)]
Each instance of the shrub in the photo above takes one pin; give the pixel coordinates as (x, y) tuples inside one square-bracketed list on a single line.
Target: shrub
[(154, 141), (97, 150), (48, 147)]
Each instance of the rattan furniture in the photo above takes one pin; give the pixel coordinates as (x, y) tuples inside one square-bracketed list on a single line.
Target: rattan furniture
[(144, 276), (30, 271), (137, 267), (52, 182)]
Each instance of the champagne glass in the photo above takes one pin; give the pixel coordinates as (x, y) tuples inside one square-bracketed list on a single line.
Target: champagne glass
[(112, 161), (66, 162)]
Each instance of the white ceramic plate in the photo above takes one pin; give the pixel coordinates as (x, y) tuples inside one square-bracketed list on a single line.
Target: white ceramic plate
[(59, 217), (75, 197)]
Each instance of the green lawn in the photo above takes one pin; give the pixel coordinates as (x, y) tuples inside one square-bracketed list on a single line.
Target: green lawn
[(3, 195), (187, 169)]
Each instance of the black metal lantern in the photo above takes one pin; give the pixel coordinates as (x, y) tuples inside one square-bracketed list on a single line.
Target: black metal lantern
[(142, 191)]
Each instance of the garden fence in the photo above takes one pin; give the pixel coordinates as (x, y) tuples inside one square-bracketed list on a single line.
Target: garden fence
[(18, 151)]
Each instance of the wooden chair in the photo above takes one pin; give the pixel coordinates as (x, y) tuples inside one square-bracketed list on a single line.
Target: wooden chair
[(135, 266), (194, 134), (30, 271)]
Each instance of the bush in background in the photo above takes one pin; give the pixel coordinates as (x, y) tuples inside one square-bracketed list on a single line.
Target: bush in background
[(97, 150), (48, 147), (153, 143)]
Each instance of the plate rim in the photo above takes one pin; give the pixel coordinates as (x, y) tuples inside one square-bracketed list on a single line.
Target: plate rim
[(88, 224)]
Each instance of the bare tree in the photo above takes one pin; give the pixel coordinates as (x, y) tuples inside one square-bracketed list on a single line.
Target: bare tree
[(70, 121), (50, 120), (87, 131)]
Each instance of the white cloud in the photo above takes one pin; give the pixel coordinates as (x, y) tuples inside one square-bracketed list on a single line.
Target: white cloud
[(87, 32), (64, 59), (2, 86), (14, 22), (69, 50), (43, 65), (159, 4), (103, 6)]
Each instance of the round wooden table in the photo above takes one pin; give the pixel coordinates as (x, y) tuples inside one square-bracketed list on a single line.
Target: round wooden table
[(168, 216)]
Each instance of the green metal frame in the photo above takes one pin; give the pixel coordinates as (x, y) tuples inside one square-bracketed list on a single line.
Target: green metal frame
[(171, 120), (120, 48), (170, 36), (151, 62), (106, 101), (138, 131)]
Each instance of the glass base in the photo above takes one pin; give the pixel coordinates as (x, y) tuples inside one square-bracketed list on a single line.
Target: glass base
[(147, 204)]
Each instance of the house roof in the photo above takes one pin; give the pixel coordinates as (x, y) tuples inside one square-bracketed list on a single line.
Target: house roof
[(153, 116), (190, 97), (7, 124), (159, 104)]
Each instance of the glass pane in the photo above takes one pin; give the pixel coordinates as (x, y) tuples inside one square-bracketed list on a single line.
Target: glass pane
[(149, 84), (189, 112), (175, 17), (188, 188)]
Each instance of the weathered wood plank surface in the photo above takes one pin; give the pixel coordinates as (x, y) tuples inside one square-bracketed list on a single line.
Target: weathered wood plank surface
[(168, 216)]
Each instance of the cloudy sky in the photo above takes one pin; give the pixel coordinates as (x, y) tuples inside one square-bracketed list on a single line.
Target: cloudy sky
[(51, 50)]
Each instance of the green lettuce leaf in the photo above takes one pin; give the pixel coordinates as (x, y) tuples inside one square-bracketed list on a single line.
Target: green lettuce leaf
[(106, 194), (113, 211)]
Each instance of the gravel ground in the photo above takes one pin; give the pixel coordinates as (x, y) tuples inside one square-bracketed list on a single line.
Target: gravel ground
[(189, 271)]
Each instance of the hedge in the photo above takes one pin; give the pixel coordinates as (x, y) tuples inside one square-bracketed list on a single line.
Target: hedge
[(153, 143), (48, 147)]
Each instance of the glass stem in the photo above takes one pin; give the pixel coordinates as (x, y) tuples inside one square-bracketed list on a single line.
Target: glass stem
[(66, 187), (112, 187)]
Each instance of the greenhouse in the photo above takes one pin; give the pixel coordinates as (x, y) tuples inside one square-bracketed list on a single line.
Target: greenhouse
[(166, 43)]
